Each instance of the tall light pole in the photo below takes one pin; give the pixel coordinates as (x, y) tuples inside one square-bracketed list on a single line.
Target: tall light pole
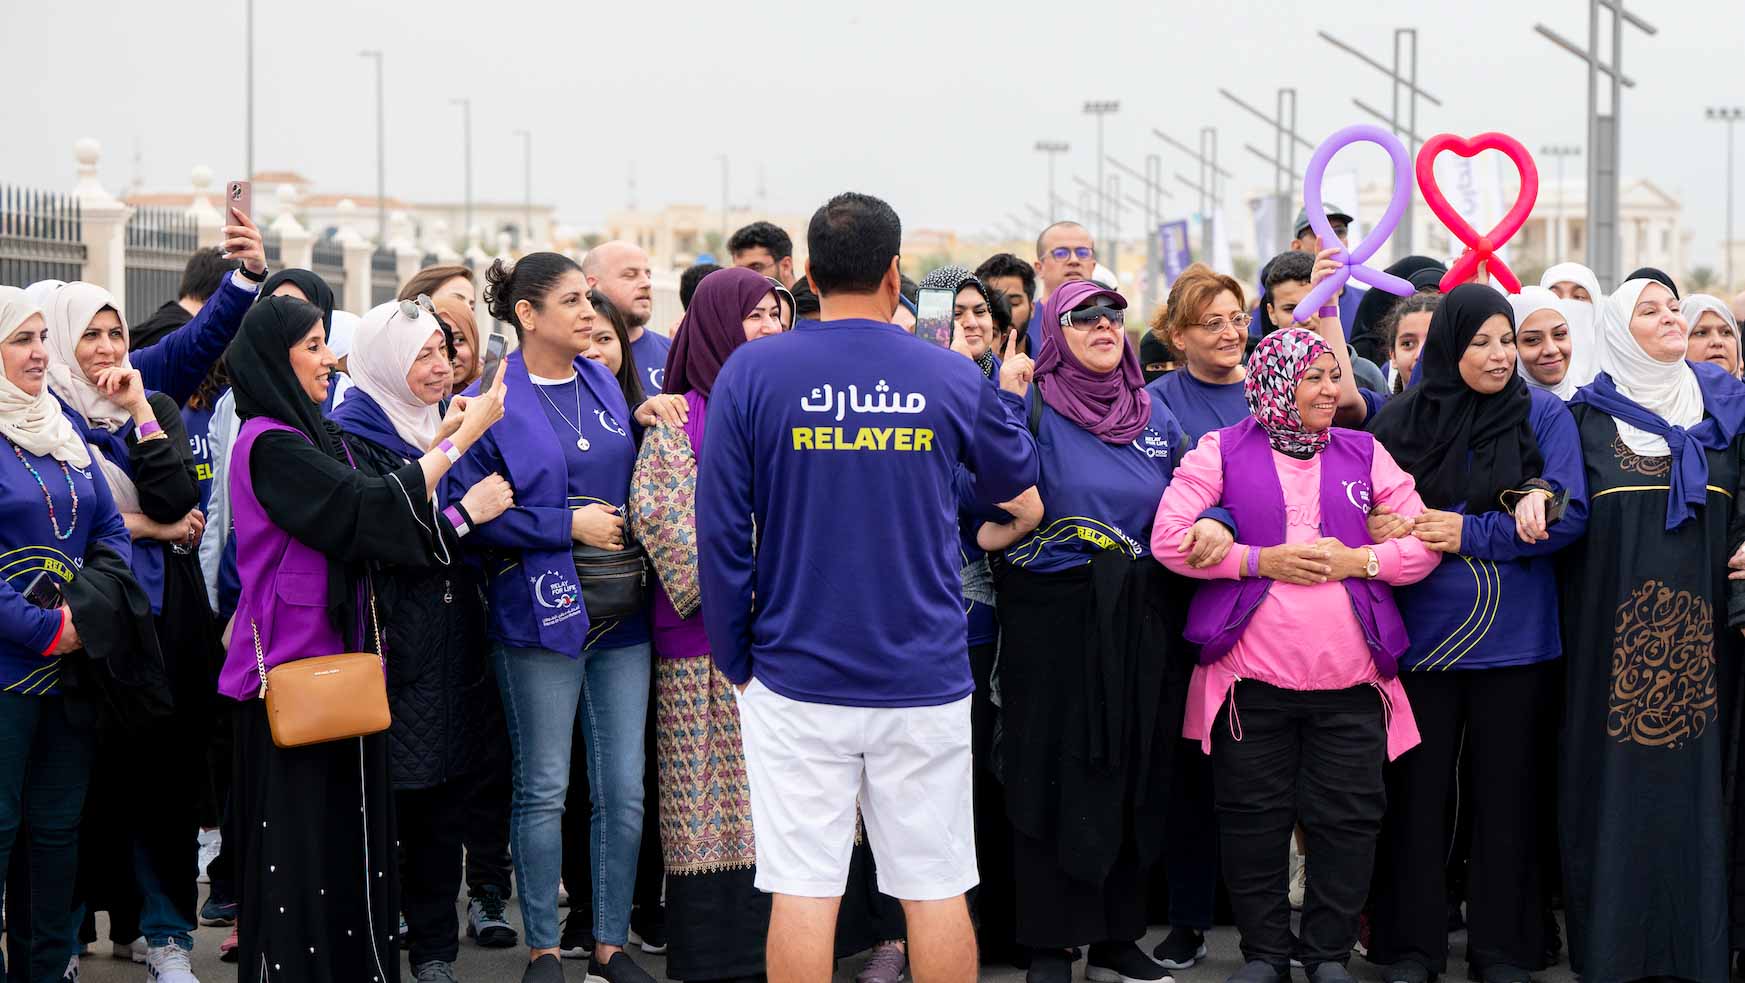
[(1053, 148), (381, 145), (1559, 153), (1101, 108), (1285, 141), (723, 159), (248, 90), (1603, 241), (1728, 115), (526, 182), (466, 107), (1207, 186)]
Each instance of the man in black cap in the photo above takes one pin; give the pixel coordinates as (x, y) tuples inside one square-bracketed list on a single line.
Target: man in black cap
[(1305, 240)]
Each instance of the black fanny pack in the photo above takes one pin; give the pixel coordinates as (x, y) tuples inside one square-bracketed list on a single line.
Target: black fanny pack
[(614, 582)]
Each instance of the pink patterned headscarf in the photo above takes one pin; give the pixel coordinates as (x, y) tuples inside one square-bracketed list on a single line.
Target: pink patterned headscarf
[(1275, 368)]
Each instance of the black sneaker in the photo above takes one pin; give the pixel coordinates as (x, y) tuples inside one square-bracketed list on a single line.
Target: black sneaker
[(1049, 966), (577, 940), (545, 969), (488, 921), (1183, 948), (1122, 962), (1259, 972), (648, 928), (1504, 973), (1331, 972), (217, 911), (619, 969), (1408, 971)]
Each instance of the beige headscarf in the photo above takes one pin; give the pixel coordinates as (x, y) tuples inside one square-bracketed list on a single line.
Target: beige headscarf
[(382, 353), (69, 313), (35, 423)]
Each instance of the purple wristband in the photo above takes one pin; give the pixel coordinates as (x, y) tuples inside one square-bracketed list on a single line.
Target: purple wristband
[(148, 428), (1330, 310), (1254, 561), (449, 451), (460, 524)]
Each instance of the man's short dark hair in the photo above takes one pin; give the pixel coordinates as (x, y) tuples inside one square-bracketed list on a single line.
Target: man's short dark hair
[(1006, 264), (1288, 267), (909, 289), (689, 279), (850, 243), (204, 274), (766, 235)]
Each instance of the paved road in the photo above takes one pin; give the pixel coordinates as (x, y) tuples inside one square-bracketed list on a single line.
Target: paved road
[(504, 965)]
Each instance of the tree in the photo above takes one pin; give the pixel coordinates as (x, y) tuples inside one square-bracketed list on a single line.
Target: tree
[(1703, 280)]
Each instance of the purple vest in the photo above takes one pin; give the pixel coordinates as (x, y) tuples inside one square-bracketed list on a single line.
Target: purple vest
[(1253, 495), (284, 583)]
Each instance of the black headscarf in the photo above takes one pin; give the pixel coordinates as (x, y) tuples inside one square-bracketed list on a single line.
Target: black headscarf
[(1375, 305), (313, 287), (1658, 276), (1458, 445), (259, 360)]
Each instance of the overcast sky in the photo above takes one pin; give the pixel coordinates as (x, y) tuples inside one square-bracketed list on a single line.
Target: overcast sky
[(934, 105)]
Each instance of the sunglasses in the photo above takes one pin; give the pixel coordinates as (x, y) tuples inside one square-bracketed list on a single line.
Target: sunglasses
[(1084, 318), (1064, 253), (411, 308)]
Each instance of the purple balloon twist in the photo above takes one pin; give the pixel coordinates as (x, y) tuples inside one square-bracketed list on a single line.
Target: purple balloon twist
[(1355, 258)]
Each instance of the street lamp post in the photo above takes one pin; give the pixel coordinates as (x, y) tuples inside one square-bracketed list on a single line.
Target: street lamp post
[(526, 182), (1407, 126), (248, 97), (1728, 115), (1559, 233), (1053, 148), (1101, 108), (381, 145), (466, 106)]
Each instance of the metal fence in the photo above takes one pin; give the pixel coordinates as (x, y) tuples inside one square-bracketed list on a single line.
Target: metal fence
[(384, 276), (159, 242), (329, 264), (40, 237), (270, 245)]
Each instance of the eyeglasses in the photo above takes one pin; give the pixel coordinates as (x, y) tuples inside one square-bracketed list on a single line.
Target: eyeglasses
[(411, 308), (1220, 325), (1086, 318), (1064, 253)]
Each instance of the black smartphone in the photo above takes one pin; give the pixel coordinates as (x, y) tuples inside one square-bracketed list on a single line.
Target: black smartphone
[(43, 591), (1554, 508), (495, 346), (934, 316)]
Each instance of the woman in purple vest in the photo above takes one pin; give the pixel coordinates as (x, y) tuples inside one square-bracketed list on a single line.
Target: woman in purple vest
[(1295, 696), (1487, 452), (1091, 688), (312, 517)]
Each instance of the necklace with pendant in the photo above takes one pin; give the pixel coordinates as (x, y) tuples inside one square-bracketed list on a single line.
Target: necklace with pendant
[(581, 439)]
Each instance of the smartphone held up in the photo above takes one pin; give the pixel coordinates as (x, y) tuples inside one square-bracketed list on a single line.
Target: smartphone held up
[(934, 314)]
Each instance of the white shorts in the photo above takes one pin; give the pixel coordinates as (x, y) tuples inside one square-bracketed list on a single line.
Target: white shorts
[(909, 770)]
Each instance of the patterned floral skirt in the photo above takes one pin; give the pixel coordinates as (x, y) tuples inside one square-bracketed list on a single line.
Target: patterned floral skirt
[(716, 916)]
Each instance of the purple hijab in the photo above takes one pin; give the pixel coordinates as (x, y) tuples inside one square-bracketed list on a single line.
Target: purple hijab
[(713, 326), (1113, 406)]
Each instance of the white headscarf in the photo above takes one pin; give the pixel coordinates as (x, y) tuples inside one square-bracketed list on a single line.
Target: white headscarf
[(35, 423), (69, 313), (341, 333), (1668, 389), (1583, 350), (1574, 273), (1696, 305), (383, 348)]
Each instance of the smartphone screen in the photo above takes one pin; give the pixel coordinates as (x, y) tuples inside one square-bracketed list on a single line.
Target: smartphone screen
[(933, 316), (495, 345), (43, 591)]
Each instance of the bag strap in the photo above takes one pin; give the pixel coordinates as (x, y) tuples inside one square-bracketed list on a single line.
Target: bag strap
[(260, 660)]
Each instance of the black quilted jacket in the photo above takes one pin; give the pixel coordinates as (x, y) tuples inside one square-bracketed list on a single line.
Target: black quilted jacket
[(447, 713)]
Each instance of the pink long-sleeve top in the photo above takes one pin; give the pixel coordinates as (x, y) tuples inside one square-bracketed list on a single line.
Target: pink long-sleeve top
[(1300, 637)]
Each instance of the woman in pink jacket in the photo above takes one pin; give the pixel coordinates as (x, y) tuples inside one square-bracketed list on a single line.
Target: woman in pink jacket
[(1295, 696)]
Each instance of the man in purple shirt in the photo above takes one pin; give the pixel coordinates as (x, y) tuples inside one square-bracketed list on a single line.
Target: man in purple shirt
[(622, 272)]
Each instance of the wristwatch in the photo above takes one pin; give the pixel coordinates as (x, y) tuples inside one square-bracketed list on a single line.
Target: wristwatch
[(1372, 569), (243, 270)]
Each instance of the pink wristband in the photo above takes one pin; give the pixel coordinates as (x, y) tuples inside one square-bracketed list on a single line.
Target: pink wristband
[(1331, 310), (148, 428)]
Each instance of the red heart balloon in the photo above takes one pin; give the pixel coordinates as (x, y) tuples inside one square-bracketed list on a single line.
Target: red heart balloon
[(1479, 249)]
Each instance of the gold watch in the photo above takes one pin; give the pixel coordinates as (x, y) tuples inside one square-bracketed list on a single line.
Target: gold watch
[(1372, 569)]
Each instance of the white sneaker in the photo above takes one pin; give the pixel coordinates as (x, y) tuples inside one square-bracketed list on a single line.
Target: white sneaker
[(135, 950), (1299, 876), (169, 964), (72, 973), (210, 844)]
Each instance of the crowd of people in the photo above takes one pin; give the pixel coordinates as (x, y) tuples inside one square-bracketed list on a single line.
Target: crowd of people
[(787, 634)]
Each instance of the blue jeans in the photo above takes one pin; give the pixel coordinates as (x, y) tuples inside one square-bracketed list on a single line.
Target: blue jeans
[(543, 691), (45, 768)]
